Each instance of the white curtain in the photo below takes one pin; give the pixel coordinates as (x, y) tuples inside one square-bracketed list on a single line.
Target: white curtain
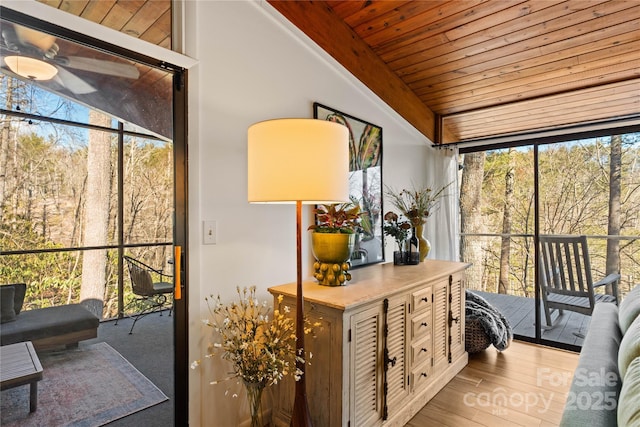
[(443, 226)]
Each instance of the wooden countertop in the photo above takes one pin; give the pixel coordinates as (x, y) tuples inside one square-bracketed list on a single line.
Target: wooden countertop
[(367, 283)]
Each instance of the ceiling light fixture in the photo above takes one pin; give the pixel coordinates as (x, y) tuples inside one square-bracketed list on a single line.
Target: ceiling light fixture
[(30, 68)]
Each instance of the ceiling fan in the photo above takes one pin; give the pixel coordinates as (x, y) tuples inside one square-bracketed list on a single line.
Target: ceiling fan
[(32, 54)]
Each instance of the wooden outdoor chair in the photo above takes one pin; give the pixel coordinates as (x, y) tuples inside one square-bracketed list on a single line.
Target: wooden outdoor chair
[(151, 296), (565, 277)]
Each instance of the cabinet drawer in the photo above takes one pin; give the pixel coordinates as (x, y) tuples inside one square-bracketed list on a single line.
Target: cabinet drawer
[(421, 299), (421, 351), (421, 325), (421, 376)]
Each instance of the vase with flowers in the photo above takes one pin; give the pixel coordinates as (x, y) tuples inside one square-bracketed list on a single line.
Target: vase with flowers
[(417, 205), (259, 342), (398, 229)]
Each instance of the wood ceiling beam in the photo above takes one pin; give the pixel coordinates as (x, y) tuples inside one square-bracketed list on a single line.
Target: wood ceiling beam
[(323, 26)]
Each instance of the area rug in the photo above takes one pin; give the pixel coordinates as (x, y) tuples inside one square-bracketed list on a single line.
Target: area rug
[(85, 387)]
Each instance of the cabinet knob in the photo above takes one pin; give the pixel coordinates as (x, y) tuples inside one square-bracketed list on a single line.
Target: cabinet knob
[(423, 349), (425, 299), (424, 324), (424, 374), (393, 361)]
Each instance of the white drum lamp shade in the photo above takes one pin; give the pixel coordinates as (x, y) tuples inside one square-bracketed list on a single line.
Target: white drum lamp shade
[(292, 160)]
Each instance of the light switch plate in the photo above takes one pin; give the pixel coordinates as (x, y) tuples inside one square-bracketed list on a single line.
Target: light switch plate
[(209, 232)]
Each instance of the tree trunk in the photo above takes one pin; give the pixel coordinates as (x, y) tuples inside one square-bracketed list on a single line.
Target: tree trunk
[(615, 177), (97, 215), (471, 217), (505, 247), (4, 144)]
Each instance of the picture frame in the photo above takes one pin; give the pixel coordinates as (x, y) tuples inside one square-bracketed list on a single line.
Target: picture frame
[(365, 182)]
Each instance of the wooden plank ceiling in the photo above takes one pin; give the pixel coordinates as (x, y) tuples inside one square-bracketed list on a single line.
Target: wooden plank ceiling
[(148, 20), (464, 70), (457, 70)]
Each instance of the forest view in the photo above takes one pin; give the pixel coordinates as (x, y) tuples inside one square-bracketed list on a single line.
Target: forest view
[(587, 187), (65, 209), (59, 192)]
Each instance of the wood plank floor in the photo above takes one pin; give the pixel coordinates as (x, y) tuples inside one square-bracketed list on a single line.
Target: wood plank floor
[(526, 385)]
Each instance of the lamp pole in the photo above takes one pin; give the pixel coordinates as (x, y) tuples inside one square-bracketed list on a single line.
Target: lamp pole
[(283, 156), (300, 416)]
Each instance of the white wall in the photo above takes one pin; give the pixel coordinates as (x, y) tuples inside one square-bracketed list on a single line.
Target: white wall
[(254, 66)]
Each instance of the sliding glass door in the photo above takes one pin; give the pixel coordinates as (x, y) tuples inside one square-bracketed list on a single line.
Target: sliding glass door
[(590, 188), (510, 197), (497, 225), (93, 169)]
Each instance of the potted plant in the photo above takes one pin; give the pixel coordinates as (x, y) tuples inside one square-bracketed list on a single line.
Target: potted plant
[(333, 240), (399, 230)]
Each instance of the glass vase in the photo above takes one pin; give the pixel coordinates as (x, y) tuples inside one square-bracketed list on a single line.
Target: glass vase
[(399, 255), (398, 258), (255, 392)]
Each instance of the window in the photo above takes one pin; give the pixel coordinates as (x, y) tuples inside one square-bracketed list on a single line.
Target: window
[(76, 183), (511, 195)]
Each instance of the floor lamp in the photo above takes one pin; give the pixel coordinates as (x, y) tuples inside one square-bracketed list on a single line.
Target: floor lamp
[(298, 161)]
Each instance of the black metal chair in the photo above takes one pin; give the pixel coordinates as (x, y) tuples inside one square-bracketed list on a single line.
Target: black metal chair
[(151, 296), (566, 282)]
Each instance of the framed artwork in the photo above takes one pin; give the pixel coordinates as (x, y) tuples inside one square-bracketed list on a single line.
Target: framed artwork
[(365, 181)]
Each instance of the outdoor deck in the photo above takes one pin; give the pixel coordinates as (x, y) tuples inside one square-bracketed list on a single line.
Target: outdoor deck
[(519, 311)]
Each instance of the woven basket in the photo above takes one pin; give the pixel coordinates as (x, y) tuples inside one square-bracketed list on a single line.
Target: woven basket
[(476, 339)]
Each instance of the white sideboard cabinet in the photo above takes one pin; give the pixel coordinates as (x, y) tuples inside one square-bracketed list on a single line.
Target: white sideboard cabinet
[(388, 341)]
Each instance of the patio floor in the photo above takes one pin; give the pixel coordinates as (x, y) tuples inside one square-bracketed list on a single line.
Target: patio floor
[(519, 312), (150, 350)]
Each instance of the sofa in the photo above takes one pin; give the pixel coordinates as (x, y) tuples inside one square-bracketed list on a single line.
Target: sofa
[(47, 328), (605, 389)]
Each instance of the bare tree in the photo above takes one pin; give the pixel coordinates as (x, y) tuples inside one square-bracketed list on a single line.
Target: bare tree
[(572, 198), (4, 144), (615, 178), (505, 246), (97, 214), (471, 216)]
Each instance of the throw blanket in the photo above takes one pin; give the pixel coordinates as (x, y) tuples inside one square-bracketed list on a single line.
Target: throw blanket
[(493, 322)]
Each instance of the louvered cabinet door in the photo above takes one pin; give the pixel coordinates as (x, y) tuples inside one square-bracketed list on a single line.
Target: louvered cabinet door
[(440, 326), (347, 383), (396, 341), (366, 359), (457, 315)]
